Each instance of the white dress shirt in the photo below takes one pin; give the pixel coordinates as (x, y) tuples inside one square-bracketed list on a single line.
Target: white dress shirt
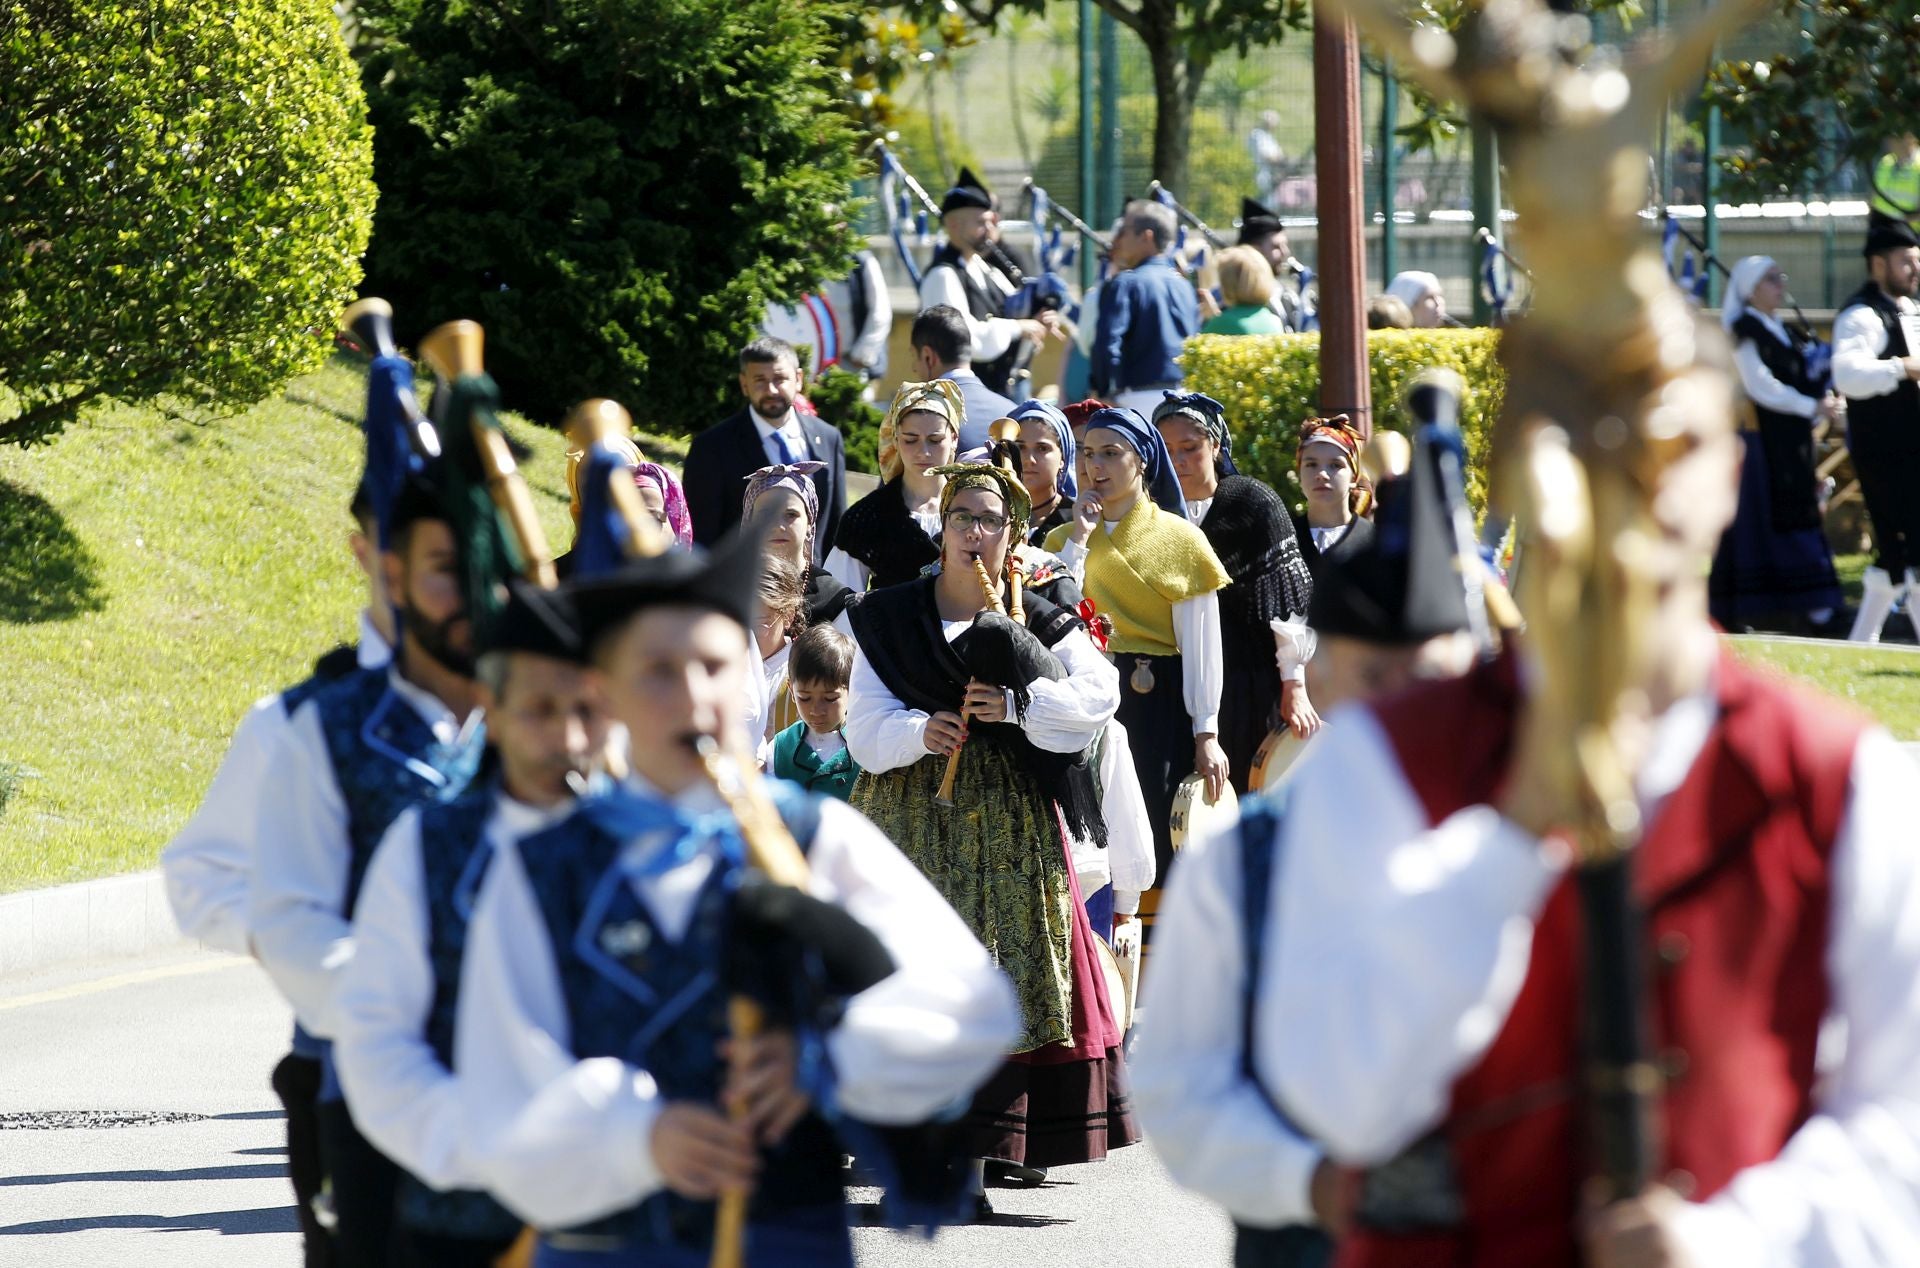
[(562, 1140), (1325, 539), (1759, 383), (299, 889), (991, 336), (788, 429), (209, 864), (1196, 632), (1860, 369), (1397, 950), (1128, 861), (404, 1100)]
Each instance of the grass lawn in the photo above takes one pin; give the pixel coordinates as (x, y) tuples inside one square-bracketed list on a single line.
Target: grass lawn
[(156, 577), (1882, 681)]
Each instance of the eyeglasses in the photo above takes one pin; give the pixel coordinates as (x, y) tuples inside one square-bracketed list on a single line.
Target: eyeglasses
[(989, 523), (1773, 277)]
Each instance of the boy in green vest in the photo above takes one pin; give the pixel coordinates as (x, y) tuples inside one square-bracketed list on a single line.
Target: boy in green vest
[(813, 752)]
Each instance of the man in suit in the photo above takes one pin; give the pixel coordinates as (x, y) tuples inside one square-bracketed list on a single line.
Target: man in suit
[(943, 349), (770, 430)]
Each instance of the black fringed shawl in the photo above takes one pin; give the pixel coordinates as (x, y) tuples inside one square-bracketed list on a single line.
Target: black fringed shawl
[(900, 632), (880, 533)]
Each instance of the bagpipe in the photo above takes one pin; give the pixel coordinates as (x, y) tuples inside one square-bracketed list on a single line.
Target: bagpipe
[(1691, 265), (1497, 269)]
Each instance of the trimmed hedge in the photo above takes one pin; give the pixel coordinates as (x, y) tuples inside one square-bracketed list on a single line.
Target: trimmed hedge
[(1270, 384)]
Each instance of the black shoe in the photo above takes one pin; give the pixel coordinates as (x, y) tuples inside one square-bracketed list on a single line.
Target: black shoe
[(982, 1209), (1013, 1175)]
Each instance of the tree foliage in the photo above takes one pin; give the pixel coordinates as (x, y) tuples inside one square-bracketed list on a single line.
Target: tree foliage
[(1824, 104), (185, 191), (614, 188)]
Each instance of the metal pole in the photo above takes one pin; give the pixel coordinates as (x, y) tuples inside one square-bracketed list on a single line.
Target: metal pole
[(1710, 196), (1389, 171), (1486, 211), (1107, 206), (1344, 382), (1089, 267)]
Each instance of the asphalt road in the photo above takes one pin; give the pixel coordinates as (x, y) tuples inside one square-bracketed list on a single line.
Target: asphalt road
[(137, 1127)]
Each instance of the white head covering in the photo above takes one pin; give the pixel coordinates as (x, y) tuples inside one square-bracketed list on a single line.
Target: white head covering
[(1740, 283), (1410, 287)]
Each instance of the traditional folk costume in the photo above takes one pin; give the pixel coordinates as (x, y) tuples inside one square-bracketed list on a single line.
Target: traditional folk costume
[(1320, 544), (1000, 854), (208, 869), (600, 958), (398, 996), (880, 542), (1883, 432), (1247, 525), (357, 753), (1066, 487), (826, 597), (979, 290), (1205, 1066), (818, 763), (1773, 560), (1154, 575)]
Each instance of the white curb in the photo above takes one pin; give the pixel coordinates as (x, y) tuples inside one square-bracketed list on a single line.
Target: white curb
[(118, 916)]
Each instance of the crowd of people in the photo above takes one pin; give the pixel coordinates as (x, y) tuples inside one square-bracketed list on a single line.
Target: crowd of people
[(788, 841)]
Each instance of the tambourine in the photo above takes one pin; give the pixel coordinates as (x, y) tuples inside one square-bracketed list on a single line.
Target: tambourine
[(1274, 758), (1193, 814), (1120, 982)]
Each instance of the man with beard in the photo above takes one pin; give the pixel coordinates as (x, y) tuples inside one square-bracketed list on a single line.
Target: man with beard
[(354, 756), (769, 432), (398, 994), (1875, 364)]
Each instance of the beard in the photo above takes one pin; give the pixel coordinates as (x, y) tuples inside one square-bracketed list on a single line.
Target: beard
[(436, 639), (771, 408)]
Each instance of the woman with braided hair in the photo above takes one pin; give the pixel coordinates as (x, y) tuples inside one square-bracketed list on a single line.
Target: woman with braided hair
[(1246, 524), (892, 533), (1019, 701)]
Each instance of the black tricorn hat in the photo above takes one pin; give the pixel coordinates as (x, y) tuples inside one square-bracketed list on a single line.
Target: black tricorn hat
[(968, 191), (1256, 221), (725, 579), (1889, 235), (540, 621)]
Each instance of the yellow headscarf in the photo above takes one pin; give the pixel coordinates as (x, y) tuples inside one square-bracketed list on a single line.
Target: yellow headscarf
[(940, 397)]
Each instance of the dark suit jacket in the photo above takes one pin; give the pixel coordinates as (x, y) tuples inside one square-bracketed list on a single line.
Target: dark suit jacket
[(725, 454)]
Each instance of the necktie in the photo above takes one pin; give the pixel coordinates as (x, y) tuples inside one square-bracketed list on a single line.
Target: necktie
[(787, 455)]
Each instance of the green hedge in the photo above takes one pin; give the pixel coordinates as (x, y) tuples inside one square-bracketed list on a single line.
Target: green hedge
[(1271, 383)]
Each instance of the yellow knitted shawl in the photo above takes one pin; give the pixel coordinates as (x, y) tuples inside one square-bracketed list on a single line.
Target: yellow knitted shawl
[(1151, 560)]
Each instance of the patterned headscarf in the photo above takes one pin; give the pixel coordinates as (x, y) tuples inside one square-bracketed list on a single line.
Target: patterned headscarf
[(622, 445), (1210, 414), (1339, 432), (1048, 412), (796, 477), (672, 495), (1156, 464), (985, 475), (940, 397)]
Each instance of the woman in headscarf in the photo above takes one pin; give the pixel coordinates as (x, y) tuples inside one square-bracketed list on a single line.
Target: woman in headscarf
[(1019, 702), (1247, 525), (1155, 576), (786, 495), (1773, 568), (659, 492), (1046, 466), (1421, 293), (892, 533), (1328, 465)]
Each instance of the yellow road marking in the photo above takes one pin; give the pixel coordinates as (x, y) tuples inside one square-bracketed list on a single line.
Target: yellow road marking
[(114, 983)]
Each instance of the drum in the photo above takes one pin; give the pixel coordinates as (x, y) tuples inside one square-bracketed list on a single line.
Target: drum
[(1274, 758), (1120, 983), (1194, 814)]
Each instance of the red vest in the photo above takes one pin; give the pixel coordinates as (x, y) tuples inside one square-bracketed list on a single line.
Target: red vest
[(1733, 874)]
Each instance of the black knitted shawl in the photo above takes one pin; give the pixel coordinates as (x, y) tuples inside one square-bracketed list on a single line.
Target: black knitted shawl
[(878, 531), (1249, 529)]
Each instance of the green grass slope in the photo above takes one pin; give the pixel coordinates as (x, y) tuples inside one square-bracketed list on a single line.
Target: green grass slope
[(156, 577), (1881, 681)]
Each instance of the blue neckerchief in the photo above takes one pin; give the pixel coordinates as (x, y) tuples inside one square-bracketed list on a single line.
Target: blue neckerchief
[(627, 814)]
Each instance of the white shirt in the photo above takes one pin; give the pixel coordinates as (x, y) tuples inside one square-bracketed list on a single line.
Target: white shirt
[(1129, 854), (1859, 339), (991, 336), (299, 889), (209, 864), (1197, 510), (1396, 951), (1196, 632), (561, 1139), (1325, 539), (789, 428), (404, 1100)]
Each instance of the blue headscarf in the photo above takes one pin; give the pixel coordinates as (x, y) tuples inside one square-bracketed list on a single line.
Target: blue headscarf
[(1210, 414), (1050, 413), (1157, 464)]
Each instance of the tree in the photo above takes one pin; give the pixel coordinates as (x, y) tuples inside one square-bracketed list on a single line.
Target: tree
[(1183, 38), (614, 188), (185, 191), (1814, 111)]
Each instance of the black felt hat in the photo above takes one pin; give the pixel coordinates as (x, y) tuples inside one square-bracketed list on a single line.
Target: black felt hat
[(1406, 586), (422, 497), (724, 580), (1257, 221), (968, 191), (543, 622), (1889, 235)]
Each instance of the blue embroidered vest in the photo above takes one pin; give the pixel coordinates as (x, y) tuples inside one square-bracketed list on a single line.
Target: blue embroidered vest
[(660, 1005), (454, 857)]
